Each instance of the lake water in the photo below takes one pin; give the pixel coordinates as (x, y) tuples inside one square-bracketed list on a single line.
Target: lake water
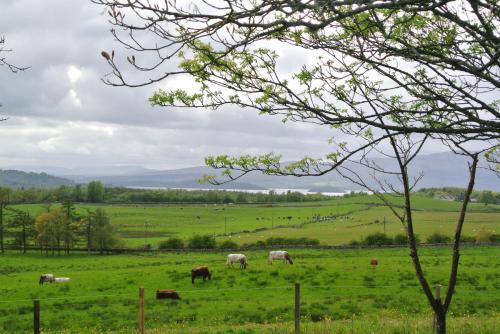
[(279, 191)]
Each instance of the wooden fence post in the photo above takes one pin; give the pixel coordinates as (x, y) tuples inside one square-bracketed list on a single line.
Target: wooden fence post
[(141, 310), (36, 316), (297, 308)]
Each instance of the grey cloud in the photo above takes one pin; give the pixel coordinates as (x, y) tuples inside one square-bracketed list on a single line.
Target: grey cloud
[(53, 121)]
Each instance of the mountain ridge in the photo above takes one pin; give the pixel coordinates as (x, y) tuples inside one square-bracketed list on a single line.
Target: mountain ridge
[(440, 170)]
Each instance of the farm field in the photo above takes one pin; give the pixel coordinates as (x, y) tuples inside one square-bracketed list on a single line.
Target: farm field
[(338, 288), (337, 221)]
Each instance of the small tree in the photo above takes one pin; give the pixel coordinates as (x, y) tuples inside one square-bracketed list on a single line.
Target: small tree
[(103, 234), (24, 223), (483, 235), (54, 230), (95, 192)]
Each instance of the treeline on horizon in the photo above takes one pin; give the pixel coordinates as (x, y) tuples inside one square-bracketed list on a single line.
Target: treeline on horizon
[(96, 192)]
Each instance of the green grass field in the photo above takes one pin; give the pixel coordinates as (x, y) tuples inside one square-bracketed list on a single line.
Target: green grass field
[(355, 217), (341, 293), (337, 285)]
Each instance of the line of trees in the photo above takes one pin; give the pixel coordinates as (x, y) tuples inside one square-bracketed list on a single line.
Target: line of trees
[(458, 194), (95, 192), (58, 229), (92, 192)]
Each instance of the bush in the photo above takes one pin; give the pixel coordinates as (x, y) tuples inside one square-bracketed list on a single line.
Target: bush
[(483, 235), (228, 244), (438, 238), (202, 242), (171, 243), (467, 238), (378, 239), (400, 239), (280, 241)]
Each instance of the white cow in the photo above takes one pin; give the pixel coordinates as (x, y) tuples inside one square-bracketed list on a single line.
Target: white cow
[(279, 255), (237, 258), (62, 279)]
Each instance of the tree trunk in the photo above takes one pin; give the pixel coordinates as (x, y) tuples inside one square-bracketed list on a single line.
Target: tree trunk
[(439, 320), (24, 239)]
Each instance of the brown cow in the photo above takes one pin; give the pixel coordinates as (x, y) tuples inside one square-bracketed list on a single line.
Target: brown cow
[(200, 272), (167, 294), (374, 262)]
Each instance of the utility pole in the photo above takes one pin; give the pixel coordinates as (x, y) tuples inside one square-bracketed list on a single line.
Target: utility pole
[(384, 224)]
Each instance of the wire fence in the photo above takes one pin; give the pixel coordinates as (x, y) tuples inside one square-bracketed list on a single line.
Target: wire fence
[(292, 303)]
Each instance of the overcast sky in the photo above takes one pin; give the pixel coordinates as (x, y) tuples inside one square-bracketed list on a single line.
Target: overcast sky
[(61, 114)]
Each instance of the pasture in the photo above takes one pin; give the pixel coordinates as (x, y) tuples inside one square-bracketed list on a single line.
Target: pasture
[(340, 291), (336, 221)]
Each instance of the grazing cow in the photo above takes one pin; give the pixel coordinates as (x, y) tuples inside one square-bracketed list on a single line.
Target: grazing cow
[(200, 272), (233, 258), (167, 294), (374, 262), (62, 279), (279, 255), (46, 278)]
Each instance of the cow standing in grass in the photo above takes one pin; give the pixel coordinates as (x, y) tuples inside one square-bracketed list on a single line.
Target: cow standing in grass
[(279, 255), (200, 272), (237, 258), (46, 278)]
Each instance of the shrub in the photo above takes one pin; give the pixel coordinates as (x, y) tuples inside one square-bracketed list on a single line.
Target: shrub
[(400, 239), (202, 242), (171, 243), (483, 235), (438, 238), (378, 239), (280, 241), (228, 244), (495, 238), (467, 238)]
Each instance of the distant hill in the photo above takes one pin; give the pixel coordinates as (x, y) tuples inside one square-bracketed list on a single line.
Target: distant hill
[(18, 179), (440, 170)]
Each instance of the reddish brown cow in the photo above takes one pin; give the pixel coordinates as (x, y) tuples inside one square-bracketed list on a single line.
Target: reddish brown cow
[(200, 272), (374, 262), (167, 294)]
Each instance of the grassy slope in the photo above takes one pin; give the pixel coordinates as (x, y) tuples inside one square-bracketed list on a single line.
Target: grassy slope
[(335, 285)]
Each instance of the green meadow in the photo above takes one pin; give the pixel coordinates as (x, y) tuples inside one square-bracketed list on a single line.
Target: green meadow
[(336, 221), (339, 289)]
